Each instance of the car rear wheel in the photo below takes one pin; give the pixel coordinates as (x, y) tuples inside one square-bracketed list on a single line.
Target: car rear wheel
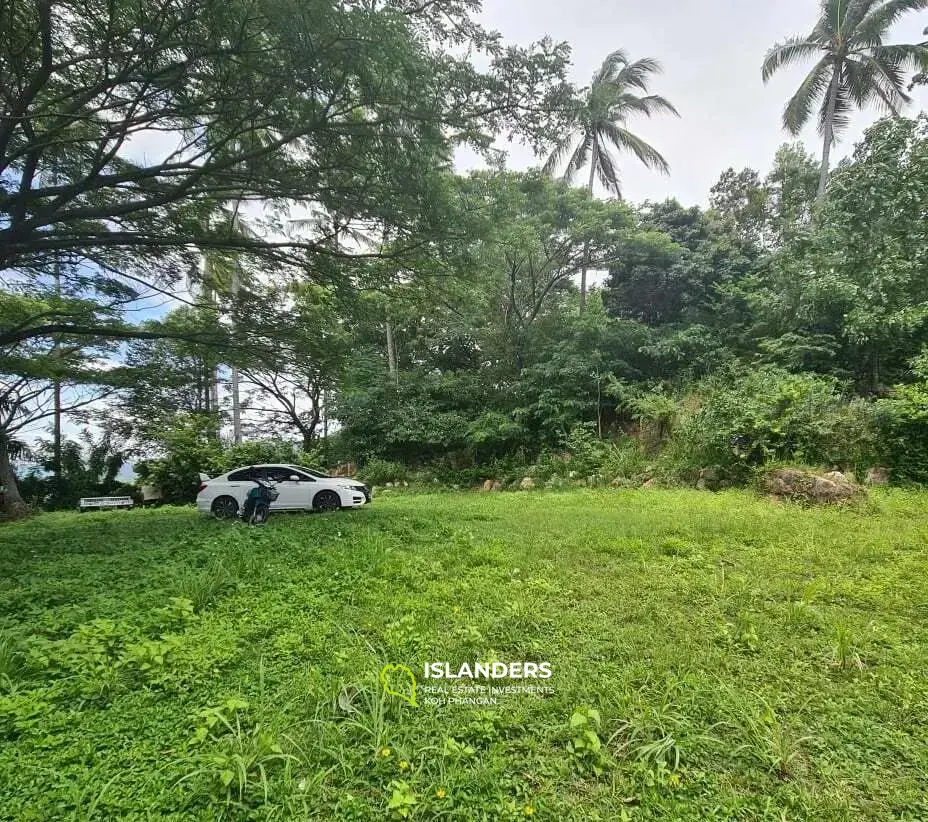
[(225, 508), (326, 501), (261, 513)]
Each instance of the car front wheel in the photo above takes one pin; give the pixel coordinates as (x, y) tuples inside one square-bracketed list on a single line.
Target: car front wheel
[(225, 508), (326, 501)]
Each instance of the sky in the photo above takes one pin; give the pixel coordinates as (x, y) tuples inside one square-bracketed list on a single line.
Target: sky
[(711, 51)]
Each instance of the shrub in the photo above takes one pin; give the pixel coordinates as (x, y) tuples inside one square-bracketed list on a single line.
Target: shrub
[(902, 421), (771, 415), (625, 459), (378, 472)]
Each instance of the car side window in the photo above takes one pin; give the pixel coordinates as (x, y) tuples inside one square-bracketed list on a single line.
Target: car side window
[(282, 473), (245, 475), (292, 472)]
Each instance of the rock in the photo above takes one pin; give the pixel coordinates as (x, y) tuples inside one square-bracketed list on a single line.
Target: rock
[(497, 486), (806, 486), (527, 484), (710, 479), (616, 483), (877, 476), (650, 484), (487, 486), (405, 484), (389, 485)]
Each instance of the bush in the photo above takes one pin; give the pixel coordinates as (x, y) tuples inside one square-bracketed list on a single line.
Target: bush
[(902, 421), (379, 472), (771, 415)]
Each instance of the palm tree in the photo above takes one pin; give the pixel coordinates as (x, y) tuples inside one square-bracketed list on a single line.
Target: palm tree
[(854, 66), (599, 128)]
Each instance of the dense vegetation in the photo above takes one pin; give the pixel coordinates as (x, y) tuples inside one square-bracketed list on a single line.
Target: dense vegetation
[(313, 274), (713, 658)]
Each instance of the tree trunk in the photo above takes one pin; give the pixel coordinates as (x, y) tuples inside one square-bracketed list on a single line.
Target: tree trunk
[(829, 132), (325, 427), (214, 388), (56, 429), (236, 402), (11, 503), (391, 352), (56, 445), (586, 246)]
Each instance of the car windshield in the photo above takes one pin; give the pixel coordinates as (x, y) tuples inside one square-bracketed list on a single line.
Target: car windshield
[(312, 472)]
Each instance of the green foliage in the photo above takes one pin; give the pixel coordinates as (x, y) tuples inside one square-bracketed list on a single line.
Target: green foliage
[(10, 658), (584, 744), (380, 472), (200, 588), (233, 755), (88, 468), (902, 420), (402, 800), (771, 415)]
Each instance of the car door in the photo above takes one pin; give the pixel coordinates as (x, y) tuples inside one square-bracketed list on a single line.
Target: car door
[(239, 483), (294, 493)]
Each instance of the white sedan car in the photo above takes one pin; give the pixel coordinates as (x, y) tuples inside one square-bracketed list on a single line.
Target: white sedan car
[(299, 489)]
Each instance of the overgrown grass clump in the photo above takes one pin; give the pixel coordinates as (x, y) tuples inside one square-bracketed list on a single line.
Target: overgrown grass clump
[(714, 657)]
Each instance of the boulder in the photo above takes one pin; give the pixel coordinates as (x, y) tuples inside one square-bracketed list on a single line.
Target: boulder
[(710, 479), (650, 484), (877, 476), (807, 486), (497, 486), (487, 486), (527, 484)]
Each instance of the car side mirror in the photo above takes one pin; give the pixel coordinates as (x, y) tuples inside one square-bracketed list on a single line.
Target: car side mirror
[(294, 478)]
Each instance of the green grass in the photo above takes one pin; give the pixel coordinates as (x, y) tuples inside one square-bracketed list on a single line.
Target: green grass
[(714, 657)]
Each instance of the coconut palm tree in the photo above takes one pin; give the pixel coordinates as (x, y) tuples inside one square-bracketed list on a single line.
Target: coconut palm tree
[(854, 67), (599, 128)]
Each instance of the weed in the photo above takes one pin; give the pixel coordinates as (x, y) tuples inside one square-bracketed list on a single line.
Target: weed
[(202, 588), (584, 744), (237, 753), (403, 800), (10, 658), (843, 653), (771, 742)]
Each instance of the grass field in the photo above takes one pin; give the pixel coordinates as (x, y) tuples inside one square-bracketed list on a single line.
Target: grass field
[(713, 657)]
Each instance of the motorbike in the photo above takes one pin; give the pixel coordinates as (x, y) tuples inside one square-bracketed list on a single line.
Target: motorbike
[(257, 506)]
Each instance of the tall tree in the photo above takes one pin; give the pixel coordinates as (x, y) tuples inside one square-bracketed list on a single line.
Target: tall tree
[(599, 128), (854, 67), (349, 103)]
